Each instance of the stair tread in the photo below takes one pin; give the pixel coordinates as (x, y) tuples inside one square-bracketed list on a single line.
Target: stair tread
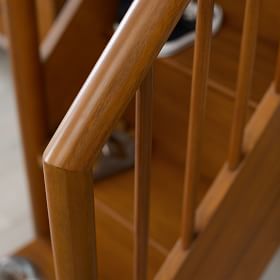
[(166, 197), (114, 251), (116, 192), (224, 61)]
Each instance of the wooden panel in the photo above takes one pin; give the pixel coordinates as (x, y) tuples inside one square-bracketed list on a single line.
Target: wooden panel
[(224, 62), (269, 17), (222, 183), (72, 49), (261, 249), (46, 13), (171, 119), (115, 247), (257, 183)]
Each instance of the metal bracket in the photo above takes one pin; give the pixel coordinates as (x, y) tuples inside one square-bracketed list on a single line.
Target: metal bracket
[(117, 155)]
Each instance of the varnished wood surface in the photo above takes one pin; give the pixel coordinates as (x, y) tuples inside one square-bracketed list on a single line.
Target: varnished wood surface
[(80, 23), (223, 181), (277, 73), (269, 16), (46, 11), (196, 118), (244, 81), (257, 183), (29, 89), (171, 118), (115, 247), (224, 61), (142, 182), (167, 171), (223, 66), (114, 250), (106, 94), (72, 223)]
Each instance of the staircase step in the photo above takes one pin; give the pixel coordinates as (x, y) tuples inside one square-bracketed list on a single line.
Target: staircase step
[(224, 61), (167, 174)]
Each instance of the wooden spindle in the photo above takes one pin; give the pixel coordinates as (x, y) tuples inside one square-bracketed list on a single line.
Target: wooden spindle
[(277, 74), (244, 83), (143, 149), (29, 88), (197, 109)]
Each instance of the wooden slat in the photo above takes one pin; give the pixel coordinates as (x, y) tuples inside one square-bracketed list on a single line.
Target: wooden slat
[(244, 83), (144, 112), (197, 110), (72, 223), (239, 221), (261, 249), (23, 39), (277, 74)]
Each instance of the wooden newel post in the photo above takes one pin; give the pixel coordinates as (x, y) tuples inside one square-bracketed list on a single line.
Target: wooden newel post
[(27, 69)]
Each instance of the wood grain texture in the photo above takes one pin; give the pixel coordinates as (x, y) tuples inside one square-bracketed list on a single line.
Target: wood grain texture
[(269, 16), (261, 249), (143, 151), (244, 82), (115, 247), (80, 23), (72, 223), (196, 119), (106, 94), (277, 73), (28, 78), (46, 11), (224, 62), (257, 184), (223, 181), (170, 119)]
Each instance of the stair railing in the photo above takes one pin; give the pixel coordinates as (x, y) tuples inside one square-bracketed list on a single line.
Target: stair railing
[(125, 66), (70, 155)]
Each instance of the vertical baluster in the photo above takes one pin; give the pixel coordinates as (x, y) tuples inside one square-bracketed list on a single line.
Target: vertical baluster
[(144, 108), (27, 69), (244, 83), (197, 108), (277, 74)]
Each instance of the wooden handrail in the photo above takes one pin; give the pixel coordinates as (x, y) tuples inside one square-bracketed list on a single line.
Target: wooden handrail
[(71, 153), (112, 83)]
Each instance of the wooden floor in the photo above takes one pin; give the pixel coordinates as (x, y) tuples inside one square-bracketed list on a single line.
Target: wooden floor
[(114, 196)]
